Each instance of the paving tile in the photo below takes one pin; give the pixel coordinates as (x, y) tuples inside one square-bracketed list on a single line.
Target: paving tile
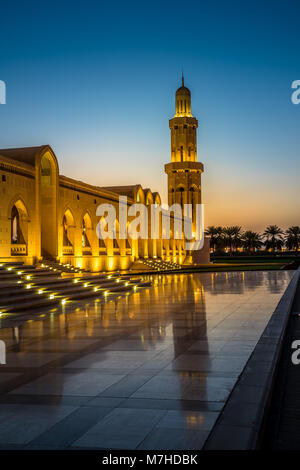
[(174, 439), (193, 420), (113, 360), (88, 383), (187, 388), (120, 429), (64, 433), (20, 424)]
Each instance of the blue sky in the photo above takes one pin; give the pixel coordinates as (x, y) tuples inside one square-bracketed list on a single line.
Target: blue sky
[(96, 81)]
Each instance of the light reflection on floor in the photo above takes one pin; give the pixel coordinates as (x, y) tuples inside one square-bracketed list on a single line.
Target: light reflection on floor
[(150, 370)]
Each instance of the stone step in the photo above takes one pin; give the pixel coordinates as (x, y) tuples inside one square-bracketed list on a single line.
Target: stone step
[(8, 275), (60, 280), (10, 286), (37, 273), (22, 297), (12, 263), (31, 304)]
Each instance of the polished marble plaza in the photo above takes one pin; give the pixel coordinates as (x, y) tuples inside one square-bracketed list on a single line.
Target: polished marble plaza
[(150, 370)]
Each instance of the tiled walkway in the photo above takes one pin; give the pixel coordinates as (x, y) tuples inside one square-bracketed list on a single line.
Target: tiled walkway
[(151, 370)]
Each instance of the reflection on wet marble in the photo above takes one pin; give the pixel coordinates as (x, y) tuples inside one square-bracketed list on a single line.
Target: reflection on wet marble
[(151, 370)]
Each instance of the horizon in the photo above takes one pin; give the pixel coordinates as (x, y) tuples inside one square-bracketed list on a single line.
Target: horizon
[(102, 98)]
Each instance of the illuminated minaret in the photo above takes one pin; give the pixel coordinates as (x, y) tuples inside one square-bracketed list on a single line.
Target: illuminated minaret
[(184, 172)]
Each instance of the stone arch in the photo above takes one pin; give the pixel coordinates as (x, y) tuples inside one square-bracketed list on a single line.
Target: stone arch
[(148, 197), (140, 196), (158, 242), (47, 168), (157, 199), (116, 236), (128, 242), (180, 196), (18, 216), (86, 234), (19, 202), (68, 224), (150, 244), (86, 219), (102, 242)]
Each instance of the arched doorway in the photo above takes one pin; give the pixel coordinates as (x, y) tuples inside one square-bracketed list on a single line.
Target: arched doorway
[(48, 190), (68, 233), (19, 229), (86, 234)]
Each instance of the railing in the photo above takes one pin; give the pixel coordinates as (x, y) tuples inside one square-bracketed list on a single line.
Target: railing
[(86, 251), (18, 249), (68, 250)]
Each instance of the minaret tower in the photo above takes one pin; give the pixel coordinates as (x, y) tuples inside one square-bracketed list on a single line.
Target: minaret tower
[(184, 172)]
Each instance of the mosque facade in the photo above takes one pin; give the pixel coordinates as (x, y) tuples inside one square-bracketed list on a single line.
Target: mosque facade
[(45, 215)]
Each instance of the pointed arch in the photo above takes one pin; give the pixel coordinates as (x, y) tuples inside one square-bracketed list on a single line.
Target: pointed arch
[(86, 228), (140, 196), (47, 168), (148, 197), (18, 227), (68, 224)]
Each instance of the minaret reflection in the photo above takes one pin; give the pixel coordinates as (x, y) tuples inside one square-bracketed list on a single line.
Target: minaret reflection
[(191, 349), (189, 311)]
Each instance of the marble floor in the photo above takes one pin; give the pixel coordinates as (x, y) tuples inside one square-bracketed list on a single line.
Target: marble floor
[(149, 370)]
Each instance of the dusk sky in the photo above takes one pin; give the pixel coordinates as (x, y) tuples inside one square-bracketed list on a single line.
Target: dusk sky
[(96, 81)]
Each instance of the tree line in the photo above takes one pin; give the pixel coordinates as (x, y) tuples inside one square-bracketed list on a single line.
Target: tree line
[(235, 239)]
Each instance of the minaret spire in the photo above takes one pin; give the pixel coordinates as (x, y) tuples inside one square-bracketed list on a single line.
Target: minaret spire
[(182, 77)]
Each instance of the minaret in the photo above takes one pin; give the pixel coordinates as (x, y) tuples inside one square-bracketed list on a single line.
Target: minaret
[(184, 172)]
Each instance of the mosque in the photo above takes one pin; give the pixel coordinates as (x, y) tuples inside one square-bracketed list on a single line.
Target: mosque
[(45, 215)]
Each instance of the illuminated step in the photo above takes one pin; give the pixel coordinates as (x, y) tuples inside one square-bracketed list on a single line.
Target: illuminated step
[(25, 305), (10, 286), (22, 297)]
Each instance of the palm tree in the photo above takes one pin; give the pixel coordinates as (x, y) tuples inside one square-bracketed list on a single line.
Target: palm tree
[(251, 241), (228, 234), (292, 238), (237, 237), (274, 240), (212, 232), (220, 237)]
